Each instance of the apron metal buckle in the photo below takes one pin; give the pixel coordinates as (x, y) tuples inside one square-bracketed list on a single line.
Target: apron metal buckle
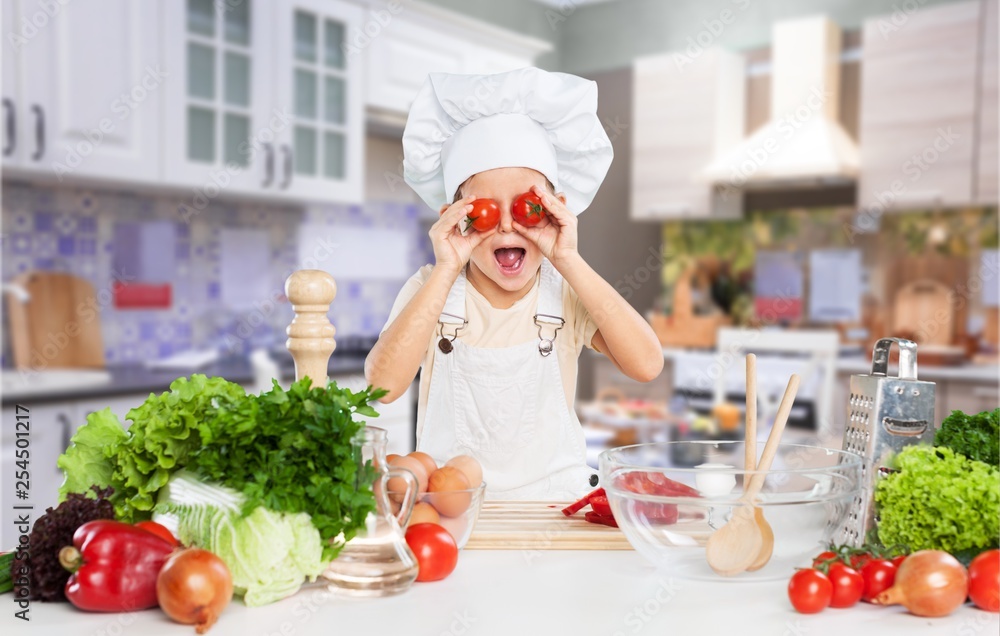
[(545, 345), (445, 343)]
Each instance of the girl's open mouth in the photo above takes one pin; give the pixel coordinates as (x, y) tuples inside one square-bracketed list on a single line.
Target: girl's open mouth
[(509, 260)]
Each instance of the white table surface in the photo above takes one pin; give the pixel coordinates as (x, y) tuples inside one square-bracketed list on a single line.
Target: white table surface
[(520, 593)]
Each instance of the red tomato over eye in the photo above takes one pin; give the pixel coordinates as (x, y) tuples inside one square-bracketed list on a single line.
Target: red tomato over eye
[(848, 586), (527, 209), (898, 560), (485, 215), (809, 591), (878, 576), (435, 549), (159, 530), (984, 581)]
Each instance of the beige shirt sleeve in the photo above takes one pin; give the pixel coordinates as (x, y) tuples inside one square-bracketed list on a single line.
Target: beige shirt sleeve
[(406, 294), (584, 326)]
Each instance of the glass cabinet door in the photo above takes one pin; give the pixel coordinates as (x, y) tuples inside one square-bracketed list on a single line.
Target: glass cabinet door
[(319, 75), (220, 51)]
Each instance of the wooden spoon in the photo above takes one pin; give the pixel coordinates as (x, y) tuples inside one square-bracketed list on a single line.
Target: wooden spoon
[(736, 546), (750, 463)]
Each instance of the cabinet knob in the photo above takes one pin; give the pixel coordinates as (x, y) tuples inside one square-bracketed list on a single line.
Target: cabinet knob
[(39, 132), (268, 166), (286, 152), (10, 127)]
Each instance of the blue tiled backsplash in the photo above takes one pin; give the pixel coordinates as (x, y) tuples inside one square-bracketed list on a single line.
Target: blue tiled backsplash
[(73, 230)]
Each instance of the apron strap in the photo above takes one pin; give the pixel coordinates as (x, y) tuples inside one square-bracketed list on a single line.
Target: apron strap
[(550, 309), (454, 308), (453, 314)]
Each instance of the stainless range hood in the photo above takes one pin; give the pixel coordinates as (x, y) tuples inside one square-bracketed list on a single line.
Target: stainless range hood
[(803, 144)]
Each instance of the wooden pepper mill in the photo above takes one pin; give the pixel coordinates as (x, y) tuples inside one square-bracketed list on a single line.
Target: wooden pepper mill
[(310, 334)]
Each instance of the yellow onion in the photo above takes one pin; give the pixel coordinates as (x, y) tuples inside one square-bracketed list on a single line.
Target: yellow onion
[(928, 583), (194, 587)]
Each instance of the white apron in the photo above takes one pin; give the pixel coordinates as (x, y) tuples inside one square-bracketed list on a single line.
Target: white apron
[(506, 406)]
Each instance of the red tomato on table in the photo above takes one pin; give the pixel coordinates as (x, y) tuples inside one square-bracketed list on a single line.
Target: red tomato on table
[(848, 586), (810, 591), (984, 581), (435, 549), (878, 576)]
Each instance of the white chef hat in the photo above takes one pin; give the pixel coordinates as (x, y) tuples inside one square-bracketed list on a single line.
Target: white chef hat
[(460, 125)]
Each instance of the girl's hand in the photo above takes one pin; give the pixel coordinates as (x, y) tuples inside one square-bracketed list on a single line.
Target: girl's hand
[(452, 250), (556, 235)]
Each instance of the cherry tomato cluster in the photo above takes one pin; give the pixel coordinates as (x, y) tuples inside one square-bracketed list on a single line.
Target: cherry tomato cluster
[(840, 577), (485, 215)]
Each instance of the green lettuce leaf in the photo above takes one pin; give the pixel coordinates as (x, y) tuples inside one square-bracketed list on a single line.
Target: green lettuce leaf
[(269, 554), (939, 500), (87, 460)]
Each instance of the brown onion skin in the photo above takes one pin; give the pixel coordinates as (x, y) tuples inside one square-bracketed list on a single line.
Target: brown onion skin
[(928, 583), (194, 600)]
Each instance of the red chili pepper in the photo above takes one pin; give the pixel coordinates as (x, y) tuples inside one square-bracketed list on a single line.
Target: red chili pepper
[(606, 520), (601, 506), (579, 505), (114, 566)]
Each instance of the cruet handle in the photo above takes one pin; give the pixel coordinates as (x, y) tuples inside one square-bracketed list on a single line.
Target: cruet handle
[(409, 498)]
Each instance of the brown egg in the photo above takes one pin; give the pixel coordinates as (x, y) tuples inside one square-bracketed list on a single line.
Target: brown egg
[(397, 485), (441, 488), (429, 464), (470, 466), (423, 512), (391, 457)]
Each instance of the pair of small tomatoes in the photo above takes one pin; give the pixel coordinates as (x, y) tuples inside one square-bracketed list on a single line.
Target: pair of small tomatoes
[(485, 215)]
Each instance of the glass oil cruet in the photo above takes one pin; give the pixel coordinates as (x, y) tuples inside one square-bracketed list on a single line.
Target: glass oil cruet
[(377, 561)]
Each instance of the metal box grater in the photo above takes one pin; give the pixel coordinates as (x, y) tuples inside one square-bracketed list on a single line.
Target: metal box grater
[(884, 415)]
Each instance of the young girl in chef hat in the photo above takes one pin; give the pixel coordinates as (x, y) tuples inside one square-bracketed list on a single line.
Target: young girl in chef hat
[(497, 323)]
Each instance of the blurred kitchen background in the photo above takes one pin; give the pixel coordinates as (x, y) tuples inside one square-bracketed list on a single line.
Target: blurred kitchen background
[(795, 179)]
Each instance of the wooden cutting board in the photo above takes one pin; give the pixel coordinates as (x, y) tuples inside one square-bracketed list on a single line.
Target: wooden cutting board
[(923, 309), (539, 525), (59, 327)]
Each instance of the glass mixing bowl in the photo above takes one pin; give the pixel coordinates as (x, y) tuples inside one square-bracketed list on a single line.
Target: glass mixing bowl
[(668, 513)]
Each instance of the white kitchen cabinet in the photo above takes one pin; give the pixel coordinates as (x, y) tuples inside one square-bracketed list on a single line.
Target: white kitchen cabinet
[(264, 99), (988, 165), (686, 111), (413, 39), (319, 85), (49, 429), (918, 106), (13, 94), (83, 92), (221, 131)]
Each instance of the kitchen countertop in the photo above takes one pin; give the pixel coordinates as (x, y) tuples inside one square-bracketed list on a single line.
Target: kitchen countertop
[(524, 592), (137, 378), (855, 364)]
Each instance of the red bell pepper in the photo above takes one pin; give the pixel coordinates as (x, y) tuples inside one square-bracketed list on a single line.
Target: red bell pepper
[(114, 566)]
